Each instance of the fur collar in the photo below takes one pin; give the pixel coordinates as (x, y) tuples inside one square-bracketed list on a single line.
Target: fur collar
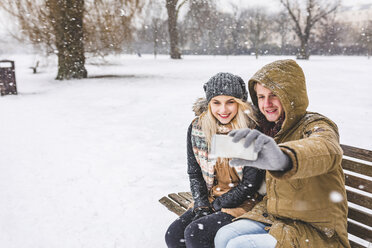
[(200, 106)]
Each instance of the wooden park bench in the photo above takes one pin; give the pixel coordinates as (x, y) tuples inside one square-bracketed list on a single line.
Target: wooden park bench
[(358, 179), (34, 68)]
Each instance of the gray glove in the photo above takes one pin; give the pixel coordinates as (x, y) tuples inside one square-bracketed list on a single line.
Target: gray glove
[(270, 157)]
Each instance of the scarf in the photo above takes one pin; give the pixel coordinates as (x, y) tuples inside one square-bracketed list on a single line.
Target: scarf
[(200, 148), (270, 128)]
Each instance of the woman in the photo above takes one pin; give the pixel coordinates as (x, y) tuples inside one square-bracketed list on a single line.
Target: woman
[(220, 192)]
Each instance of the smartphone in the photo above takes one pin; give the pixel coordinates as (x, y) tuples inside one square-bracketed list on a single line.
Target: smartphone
[(222, 146)]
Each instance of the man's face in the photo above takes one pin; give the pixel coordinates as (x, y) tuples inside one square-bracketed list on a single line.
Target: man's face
[(269, 104)]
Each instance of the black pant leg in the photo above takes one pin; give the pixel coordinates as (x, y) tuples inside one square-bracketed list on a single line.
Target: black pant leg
[(174, 237), (201, 232)]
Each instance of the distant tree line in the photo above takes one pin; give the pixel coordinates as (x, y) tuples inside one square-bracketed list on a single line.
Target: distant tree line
[(301, 28), (75, 29)]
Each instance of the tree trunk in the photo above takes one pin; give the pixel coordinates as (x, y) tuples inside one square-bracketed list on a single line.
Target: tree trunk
[(155, 36), (172, 28), (303, 52), (67, 16), (256, 53), (155, 46)]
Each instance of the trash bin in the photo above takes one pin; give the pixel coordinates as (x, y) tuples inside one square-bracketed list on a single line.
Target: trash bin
[(7, 78)]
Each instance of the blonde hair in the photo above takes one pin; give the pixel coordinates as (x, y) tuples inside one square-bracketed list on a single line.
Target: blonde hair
[(244, 118)]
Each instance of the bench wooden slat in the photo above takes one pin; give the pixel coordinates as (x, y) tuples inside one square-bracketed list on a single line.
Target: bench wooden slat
[(357, 167), (180, 200), (172, 206), (359, 231), (360, 216), (355, 245), (359, 199), (358, 153), (358, 183), (186, 195)]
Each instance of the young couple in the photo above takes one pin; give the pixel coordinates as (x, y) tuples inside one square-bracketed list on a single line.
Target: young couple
[(282, 199)]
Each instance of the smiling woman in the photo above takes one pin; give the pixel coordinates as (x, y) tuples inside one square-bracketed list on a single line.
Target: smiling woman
[(220, 192)]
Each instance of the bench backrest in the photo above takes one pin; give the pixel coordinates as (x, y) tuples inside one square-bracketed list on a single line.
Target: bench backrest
[(358, 179)]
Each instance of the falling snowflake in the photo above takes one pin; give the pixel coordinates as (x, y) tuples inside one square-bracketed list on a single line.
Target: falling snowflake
[(201, 226), (361, 186), (231, 185), (123, 12), (335, 196)]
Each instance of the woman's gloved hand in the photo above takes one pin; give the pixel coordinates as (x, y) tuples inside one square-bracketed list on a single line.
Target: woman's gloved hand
[(201, 212)]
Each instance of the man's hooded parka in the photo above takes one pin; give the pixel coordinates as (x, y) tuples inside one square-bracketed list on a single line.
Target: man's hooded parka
[(306, 205)]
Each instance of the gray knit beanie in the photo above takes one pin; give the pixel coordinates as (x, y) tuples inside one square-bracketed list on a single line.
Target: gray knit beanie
[(225, 83)]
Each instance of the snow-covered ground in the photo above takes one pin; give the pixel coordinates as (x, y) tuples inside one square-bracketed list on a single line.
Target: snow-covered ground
[(83, 163)]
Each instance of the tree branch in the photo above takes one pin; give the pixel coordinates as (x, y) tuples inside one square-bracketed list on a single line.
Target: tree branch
[(298, 29), (179, 7)]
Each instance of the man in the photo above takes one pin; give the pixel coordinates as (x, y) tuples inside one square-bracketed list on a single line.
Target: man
[(306, 203)]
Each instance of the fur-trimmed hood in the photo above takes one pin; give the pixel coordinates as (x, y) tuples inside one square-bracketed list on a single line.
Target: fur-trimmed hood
[(286, 80), (200, 106)]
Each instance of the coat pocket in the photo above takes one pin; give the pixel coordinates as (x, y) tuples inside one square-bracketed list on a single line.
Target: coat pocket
[(297, 183), (285, 235), (290, 235)]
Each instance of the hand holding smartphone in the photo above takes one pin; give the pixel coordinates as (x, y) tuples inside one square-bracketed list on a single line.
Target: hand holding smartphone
[(222, 146)]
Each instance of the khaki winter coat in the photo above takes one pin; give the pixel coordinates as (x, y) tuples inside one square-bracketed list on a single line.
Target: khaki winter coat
[(307, 205)]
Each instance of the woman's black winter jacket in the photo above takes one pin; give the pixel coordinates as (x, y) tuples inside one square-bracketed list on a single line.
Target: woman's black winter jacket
[(251, 181)]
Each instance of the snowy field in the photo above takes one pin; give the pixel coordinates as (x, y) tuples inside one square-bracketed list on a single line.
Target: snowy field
[(83, 163)]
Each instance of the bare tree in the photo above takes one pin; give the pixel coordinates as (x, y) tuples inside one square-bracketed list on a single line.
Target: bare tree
[(283, 28), (221, 36), (33, 21), (258, 23), (198, 26), (154, 19), (109, 25), (328, 36), (305, 18), (237, 27), (173, 7), (57, 27), (366, 37)]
